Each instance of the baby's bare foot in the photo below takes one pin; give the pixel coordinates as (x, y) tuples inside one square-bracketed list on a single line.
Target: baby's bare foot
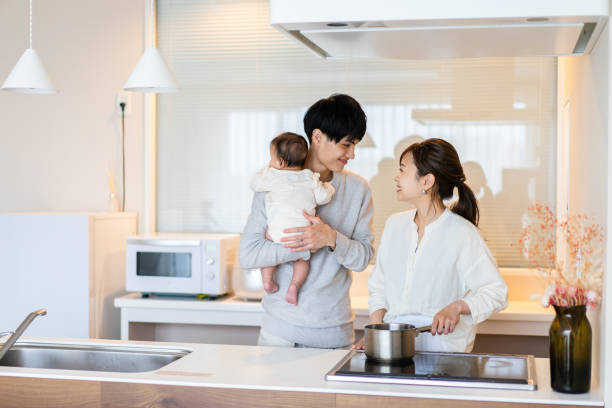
[(270, 286), (292, 294)]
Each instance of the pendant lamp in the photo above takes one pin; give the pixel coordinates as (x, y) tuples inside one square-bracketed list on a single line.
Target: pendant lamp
[(151, 74), (29, 75)]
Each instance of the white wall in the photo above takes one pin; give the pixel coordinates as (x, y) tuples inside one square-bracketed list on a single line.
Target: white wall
[(585, 81), (54, 149)]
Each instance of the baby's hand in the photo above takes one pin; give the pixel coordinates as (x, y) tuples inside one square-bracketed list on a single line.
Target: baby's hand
[(268, 237)]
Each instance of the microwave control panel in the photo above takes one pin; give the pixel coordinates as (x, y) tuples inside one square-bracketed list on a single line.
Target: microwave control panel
[(218, 257)]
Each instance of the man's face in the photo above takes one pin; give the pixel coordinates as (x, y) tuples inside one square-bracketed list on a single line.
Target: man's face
[(334, 155)]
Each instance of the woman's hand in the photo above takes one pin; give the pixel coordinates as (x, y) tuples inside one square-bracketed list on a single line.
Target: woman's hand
[(375, 318), (360, 345), (311, 238), (445, 321)]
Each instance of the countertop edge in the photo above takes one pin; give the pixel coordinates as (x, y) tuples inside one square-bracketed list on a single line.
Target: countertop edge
[(517, 310)]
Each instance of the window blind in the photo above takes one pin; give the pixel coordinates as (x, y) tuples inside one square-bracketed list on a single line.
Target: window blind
[(243, 83)]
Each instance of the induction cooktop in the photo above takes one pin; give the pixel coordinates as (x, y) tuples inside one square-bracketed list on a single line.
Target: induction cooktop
[(515, 372)]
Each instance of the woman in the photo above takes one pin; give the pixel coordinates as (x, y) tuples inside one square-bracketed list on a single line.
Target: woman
[(433, 267)]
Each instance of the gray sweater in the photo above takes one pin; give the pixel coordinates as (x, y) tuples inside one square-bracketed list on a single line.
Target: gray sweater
[(323, 316)]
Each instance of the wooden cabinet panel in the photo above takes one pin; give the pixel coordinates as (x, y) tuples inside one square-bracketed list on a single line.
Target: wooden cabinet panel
[(18, 392), (361, 401), (116, 395), (49, 393)]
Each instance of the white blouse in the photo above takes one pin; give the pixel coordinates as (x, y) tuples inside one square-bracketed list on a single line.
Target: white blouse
[(452, 262)]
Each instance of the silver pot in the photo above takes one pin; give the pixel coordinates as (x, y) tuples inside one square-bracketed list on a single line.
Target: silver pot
[(391, 342)]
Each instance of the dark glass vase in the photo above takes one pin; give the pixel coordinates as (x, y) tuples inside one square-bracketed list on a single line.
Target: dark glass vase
[(570, 350)]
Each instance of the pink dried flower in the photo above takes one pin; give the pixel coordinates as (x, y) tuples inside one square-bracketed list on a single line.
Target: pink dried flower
[(577, 278), (546, 301), (591, 296)]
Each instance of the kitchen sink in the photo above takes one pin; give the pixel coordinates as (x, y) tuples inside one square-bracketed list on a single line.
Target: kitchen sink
[(124, 359)]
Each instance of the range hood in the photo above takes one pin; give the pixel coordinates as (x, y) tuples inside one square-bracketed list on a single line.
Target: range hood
[(432, 29)]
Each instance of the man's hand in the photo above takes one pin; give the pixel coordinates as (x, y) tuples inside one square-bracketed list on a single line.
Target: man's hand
[(311, 238)]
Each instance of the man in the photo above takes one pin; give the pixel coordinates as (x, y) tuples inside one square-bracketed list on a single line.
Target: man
[(339, 238)]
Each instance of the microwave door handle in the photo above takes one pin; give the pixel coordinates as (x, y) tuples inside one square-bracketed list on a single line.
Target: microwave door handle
[(165, 242)]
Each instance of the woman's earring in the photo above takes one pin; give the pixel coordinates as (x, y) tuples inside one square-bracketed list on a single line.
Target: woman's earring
[(424, 192)]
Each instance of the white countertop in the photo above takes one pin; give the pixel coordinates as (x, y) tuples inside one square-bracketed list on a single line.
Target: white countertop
[(519, 318), (290, 369)]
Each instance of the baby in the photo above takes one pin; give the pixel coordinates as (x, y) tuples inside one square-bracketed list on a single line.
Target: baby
[(290, 189)]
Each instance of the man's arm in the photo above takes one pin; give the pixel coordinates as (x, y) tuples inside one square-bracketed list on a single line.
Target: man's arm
[(255, 250), (355, 253)]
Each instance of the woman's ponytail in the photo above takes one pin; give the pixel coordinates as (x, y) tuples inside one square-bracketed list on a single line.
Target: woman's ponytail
[(466, 206)]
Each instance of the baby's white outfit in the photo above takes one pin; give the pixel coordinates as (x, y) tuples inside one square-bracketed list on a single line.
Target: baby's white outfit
[(288, 193)]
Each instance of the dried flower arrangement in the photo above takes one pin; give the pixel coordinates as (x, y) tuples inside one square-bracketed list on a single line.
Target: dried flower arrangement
[(577, 280)]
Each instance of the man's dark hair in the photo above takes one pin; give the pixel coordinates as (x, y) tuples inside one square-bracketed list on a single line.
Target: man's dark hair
[(291, 149), (337, 116)]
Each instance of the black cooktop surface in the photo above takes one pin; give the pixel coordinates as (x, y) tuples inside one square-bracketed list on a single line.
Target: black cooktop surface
[(453, 369)]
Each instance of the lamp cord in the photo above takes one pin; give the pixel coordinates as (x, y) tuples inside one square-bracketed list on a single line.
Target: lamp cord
[(122, 105), (30, 24), (152, 22)]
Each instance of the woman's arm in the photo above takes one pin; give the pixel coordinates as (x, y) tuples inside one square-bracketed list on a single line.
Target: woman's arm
[(487, 292), (377, 296), (375, 318), (445, 321)]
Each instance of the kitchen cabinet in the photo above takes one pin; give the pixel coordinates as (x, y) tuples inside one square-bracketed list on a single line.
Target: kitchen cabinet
[(72, 264), (230, 320)]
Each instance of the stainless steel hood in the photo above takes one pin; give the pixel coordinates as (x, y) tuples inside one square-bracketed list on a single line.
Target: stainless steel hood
[(404, 29)]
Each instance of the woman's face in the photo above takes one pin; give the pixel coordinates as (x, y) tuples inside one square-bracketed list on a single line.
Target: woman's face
[(409, 185), (334, 156)]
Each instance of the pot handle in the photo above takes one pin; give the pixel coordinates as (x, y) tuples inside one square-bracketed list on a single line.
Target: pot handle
[(423, 329)]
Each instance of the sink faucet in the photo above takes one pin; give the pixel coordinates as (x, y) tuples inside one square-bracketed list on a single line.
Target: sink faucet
[(17, 333)]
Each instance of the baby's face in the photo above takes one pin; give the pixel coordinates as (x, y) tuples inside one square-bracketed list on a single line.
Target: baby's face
[(275, 162)]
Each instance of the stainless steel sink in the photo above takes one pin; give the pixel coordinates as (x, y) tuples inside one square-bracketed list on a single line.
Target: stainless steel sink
[(124, 359)]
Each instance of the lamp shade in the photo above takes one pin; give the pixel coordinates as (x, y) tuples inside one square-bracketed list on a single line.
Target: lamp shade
[(29, 76), (151, 74)]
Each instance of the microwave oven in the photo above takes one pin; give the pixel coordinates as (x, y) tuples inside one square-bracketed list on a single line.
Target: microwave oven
[(180, 264)]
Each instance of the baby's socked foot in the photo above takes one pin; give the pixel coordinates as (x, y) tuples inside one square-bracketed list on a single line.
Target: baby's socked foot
[(292, 294), (270, 286)]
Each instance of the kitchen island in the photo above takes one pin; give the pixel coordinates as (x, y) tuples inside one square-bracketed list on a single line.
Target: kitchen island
[(229, 375)]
